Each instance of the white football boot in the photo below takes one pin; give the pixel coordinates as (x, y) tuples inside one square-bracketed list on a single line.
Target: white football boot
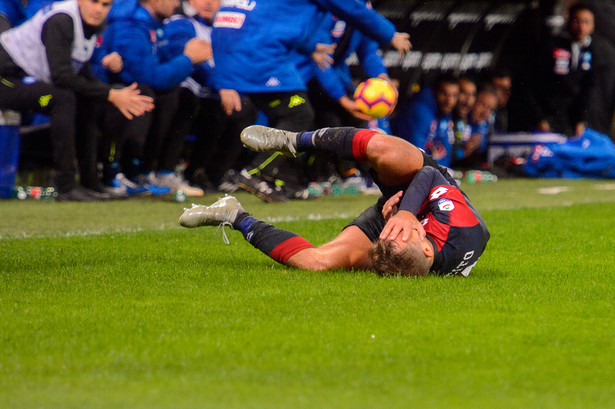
[(224, 211), (261, 138)]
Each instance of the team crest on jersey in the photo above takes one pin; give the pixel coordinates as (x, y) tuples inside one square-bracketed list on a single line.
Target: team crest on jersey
[(152, 37), (446, 205), (562, 61), (229, 19)]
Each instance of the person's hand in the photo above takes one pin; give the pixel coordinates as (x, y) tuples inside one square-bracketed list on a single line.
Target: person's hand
[(352, 107), (130, 102), (113, 62), (230, 101), (401, 42), (395, 86), (579, 129), (403, 222), (390, 207), (472, 144), (198, 51), (544, 126), (323, 55)]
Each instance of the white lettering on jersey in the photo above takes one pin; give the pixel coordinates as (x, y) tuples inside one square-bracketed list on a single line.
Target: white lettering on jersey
[(463, 268), (229, 19), (239, 4), (438, 192)]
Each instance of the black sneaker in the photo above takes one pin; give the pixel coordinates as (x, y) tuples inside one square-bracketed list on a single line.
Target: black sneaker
[(259, 187), (102, 193), (295, 192), (77, 194), (227, 183)]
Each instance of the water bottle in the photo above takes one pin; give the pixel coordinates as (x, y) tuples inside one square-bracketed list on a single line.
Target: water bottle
[(20, 193), (180, 196)]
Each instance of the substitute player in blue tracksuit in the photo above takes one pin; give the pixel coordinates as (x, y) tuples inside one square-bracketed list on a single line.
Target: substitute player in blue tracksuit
[(427, 121), (136, 32), (217, 146), (336, 81), (253, 41)]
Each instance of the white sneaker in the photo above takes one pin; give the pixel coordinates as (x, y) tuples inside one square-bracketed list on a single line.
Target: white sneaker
[(175, 183), (121, 184), (224, 211), (261, 138)]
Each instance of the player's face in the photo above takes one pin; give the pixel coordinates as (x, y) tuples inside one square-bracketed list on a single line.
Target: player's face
[(502, 88), (205, 8), (94, 12), (467, 97), (485, 104), (446, 97), (581, 24)]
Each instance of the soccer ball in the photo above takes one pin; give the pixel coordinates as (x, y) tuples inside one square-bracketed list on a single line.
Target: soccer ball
[(375, 97)]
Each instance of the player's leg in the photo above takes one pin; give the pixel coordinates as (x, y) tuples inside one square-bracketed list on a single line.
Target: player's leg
[(348, 250), (394, 159)]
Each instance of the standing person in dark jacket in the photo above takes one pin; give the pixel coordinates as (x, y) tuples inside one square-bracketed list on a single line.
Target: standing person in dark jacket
[(44, 67), (562, 87), (136, 33)]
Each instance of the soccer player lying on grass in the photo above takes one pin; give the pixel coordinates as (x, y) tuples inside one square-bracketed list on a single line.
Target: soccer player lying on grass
[(422, 223)]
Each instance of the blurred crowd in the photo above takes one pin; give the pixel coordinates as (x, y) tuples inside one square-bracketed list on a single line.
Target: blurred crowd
[(149, 97)]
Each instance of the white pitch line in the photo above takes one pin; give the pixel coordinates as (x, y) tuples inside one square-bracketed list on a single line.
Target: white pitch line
[(125, 230)]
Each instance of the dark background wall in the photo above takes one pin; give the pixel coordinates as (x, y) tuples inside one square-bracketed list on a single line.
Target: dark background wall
[(471, 37)]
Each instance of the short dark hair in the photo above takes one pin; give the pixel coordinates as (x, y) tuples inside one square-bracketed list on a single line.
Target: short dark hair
[(500, 72), (486, 88), (579, 6), (388, 260), (445, 78)]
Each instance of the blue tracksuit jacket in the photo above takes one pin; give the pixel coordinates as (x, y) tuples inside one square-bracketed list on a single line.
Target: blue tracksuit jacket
[(420, 124), (178, 31), (337, 80), (252, 39), (136, 35), (13, 10)]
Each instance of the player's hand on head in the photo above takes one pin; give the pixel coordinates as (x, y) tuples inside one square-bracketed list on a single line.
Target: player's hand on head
[(390, 207), (402, 223)]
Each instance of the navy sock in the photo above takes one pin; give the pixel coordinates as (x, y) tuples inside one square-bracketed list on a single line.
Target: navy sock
[(335, 140), (278, 244)]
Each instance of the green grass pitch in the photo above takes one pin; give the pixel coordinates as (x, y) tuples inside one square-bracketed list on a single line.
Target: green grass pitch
[(113, 305)]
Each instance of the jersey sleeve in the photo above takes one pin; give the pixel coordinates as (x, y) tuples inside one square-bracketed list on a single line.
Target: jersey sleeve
[(420, 188)]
